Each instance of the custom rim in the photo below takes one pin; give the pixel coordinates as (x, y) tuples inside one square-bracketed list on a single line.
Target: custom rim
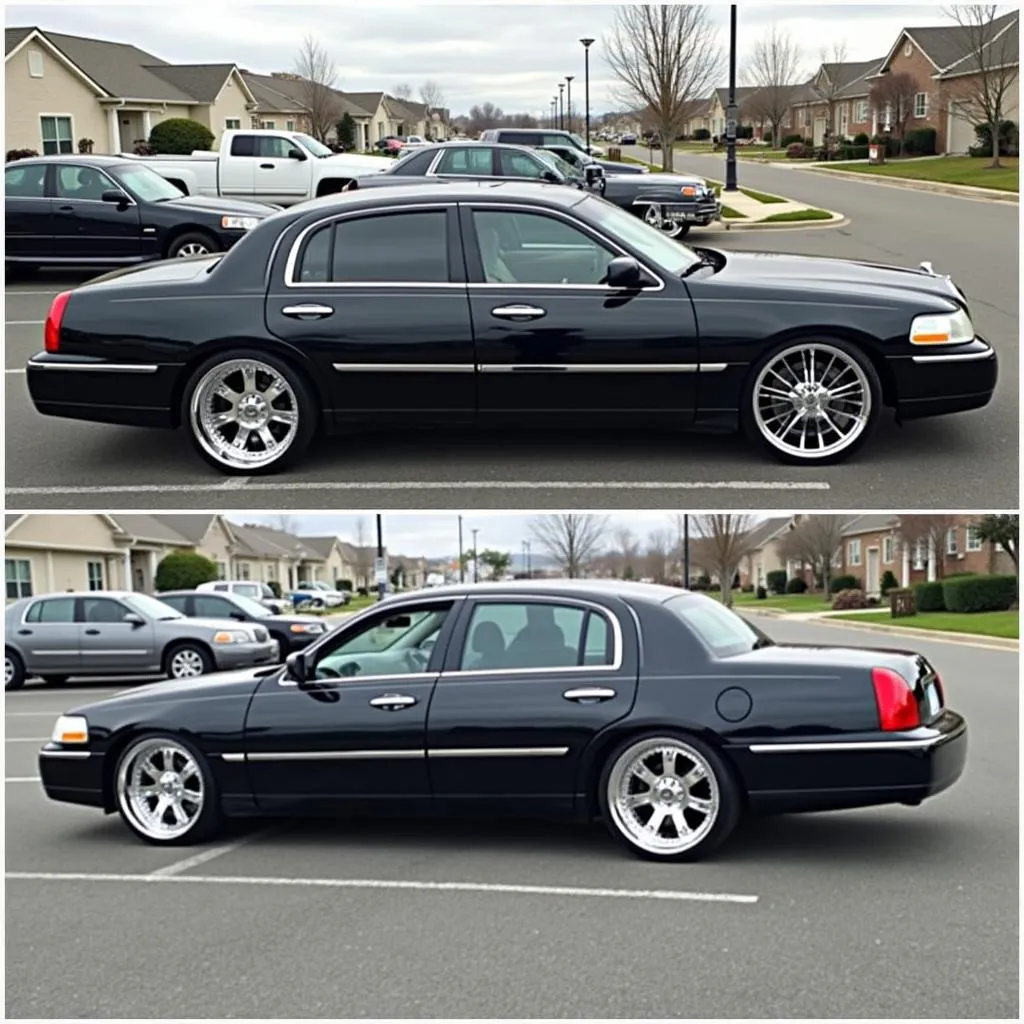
[(244, 413), (186, 663), (666, 227), (193, 249), (812, 401), (160, 788), (663, 796)]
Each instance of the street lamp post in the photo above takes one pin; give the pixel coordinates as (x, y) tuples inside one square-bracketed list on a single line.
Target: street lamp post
[(561, 105), (382, 579), (568, 97), (462, 564), (731, 115), (476, 560), (529, 562), (554, 112), (587, 43), (686, 551)]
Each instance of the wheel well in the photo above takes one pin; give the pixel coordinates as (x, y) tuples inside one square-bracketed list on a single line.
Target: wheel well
[(329, 186), (188, 229), (175, 644)]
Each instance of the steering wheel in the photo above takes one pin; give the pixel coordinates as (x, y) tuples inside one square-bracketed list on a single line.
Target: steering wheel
[(326, 672), (416, 660)]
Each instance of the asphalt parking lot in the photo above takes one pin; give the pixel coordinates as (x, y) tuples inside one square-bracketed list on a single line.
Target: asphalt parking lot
[(944, 463), (901, 912)]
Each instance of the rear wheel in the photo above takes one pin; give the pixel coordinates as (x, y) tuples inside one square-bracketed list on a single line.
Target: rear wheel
[(14, 670), (192, 243), (186, 661)]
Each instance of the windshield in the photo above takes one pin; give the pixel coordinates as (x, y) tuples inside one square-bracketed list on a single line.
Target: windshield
[(147, 185), (316, 148), (719, 628), (150, 607), (673, 257), (251, 607), (579, 142), (563, 167)]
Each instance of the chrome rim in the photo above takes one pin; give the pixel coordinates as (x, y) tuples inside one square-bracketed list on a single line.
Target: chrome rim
[(666, 227), (186, 663), (193, 249), (160, 788), (244, 413), (8, 671), (663, 796), (812, 401)]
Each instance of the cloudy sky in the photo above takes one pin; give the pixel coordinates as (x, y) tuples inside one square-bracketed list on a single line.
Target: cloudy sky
[(437, 535), (511, 55)]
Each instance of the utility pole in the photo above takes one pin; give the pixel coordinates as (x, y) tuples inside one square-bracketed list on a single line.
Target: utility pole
[(561, 105), (568, 97), (476, 561), (529, 562), (587, 43), (462, 564), (381, 567), (686, 551), (732, 114)]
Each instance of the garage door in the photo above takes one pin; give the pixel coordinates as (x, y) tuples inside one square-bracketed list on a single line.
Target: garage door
[(961, 132)]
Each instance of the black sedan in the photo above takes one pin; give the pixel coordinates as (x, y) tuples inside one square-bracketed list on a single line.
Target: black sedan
[(111, 211), (657, 710), (503, 303), (292, 632)]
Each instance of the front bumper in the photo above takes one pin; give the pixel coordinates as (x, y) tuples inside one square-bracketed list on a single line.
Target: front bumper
[(72, 776), (231, 656), (680, 210), (938, 382)]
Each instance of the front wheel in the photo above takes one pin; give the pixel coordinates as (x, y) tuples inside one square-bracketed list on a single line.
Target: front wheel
[(14, 671), (187, 661), (249, 412), (669, 228), (192, 243), (811, 402)]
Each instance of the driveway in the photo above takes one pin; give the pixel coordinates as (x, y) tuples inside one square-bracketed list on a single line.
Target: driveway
[(894, 912)]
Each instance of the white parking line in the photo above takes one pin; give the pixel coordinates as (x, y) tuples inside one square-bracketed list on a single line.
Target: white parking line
[(22, 370), (213, 853), (23, 323), (28, 714), (387, 883), (25, 739), (23, 778)]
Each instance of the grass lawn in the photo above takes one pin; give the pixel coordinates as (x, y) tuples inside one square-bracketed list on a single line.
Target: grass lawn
[(953, 170), (796, 215), (782, 602), (761, 197), (1005, 624)]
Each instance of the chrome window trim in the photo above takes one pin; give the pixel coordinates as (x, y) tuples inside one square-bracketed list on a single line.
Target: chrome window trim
[(603, 367), (956, 357), (840, 745), (497, 752), (95, 367), (77, 754), (405, 367)]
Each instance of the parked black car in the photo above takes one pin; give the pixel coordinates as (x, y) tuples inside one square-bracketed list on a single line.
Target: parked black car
[(539, 137), (503, 303), (112, 211), (657, 710), (292, 632)]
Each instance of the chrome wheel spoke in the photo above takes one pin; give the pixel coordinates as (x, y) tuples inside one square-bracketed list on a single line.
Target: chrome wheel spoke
[(668, 762), (693, 776), (242, 437), (274, 391), (248, 378), (168, 758), (180, 817), (289, 416), (165, 802), (223, 390), (267, 438), (656, 820), (700, 804), (679, 820), (635, 800), (223, 418), (644, 773)]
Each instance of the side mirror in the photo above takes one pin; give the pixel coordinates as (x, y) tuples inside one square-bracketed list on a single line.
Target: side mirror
[(296, 154), (594, 173), (624, 272), (552, 176), (134, 620), (295, 666), (115, 195), (239, 616)]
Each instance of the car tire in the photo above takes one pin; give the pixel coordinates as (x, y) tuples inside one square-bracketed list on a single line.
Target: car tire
[(843, 418), (676, 232), (14, 670), (55, 680), (187, 661), (193, 243), (293, 411), (699, 782), (162, 770)]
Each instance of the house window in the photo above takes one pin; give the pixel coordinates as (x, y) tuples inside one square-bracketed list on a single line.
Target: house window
[(19, 578), (243, 571), (35, 64), (232, 124), (57, 135), (951, 541), (94, 575), (222, 570), (887, 550), (270, 125), (919, 553), (973, 540), (862, 111), (921, 105), (853, 551), (289, 126), (271, 573)]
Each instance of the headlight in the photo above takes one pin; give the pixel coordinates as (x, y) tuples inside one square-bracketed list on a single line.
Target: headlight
[(239, 223), (689, 190), (306, 627), (233, 636), (942, 329), (71, 729)]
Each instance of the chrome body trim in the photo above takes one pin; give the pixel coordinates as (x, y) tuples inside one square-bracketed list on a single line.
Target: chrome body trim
[(405, 367), (76, 754), (96, 367), (499, 752), (232, 758), (339, 755), (956, 357), (841, 746)]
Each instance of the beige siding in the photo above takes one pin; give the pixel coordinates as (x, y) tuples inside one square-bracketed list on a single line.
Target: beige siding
[(57, 571), (161, 113), (229, 104), (216, 545), (89, 532), (59, 91)]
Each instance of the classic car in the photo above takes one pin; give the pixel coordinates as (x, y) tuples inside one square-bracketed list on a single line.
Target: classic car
[(657, 710), (111, 211), (497, 304), (122, 633)]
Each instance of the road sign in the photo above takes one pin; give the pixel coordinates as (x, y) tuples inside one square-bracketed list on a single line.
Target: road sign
[(380, 570)]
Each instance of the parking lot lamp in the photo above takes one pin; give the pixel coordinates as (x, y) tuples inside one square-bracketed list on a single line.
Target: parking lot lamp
[(568, 98), (382, 579), (476, 561), (587, 43), (462, 564), (731, 114), (561, 106)]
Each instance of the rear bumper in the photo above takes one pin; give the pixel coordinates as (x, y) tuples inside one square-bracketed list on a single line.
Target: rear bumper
[(73, 777), (938, 383)]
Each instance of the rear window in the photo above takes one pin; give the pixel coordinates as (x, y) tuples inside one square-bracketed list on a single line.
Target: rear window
[(722, 631)]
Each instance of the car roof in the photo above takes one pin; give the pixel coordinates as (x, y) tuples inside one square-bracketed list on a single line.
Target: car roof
[(632, 592), (85, 159), (82, 593)]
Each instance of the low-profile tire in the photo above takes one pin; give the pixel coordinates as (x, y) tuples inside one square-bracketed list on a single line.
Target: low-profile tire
[(653, 218), (165, 791), (187, 661), (265, 427), (811, 401), (193, 243), (678, 780), (14, 670), (55, 680)]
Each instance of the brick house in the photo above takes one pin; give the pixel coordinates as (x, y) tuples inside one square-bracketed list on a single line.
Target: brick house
[(764, 556), (835, 101)]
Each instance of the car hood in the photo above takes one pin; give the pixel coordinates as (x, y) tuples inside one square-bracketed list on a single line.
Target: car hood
[(217, 624), (357, 163), (289, 620), (231, 207)]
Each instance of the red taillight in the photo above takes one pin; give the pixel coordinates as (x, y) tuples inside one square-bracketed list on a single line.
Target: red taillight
[(897, 705), (51, 333)]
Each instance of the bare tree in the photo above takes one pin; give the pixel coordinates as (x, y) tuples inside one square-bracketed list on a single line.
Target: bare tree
[(929, 530), (989, 71), (484, 115), (665, 56), (364, 556), (814, 540), (627, 550), (402, 91), (317, 74), (432, 97), (893, 97), (832, 84), (659, 549), (722, 542), (571, 539), (773, 67)]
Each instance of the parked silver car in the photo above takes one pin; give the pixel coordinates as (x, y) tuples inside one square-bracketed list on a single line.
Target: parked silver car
[(121, 633)]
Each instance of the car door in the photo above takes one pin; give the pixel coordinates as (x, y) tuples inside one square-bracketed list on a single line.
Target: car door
[(520, 165), (377, 299), (280, 177), (527, 684), (551, 339), (111, 645), (48, 636), (236, 170), (85, 227), (28, 212), (355, 731)]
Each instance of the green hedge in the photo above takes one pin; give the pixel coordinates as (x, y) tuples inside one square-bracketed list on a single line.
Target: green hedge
[(920, 142), (184, 570), (979, 593), (838, 583), (776, 581), (848, 152), (179, 136), (928, 597), (796, 586)]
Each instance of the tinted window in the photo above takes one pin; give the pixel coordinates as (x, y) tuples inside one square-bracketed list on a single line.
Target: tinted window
[(415, 163), (77, 182), (555, 140), (467, 160), (718, 628), (177, 601), (55, 609), (25, 182), (391, 248), (597, 641), (253, 590), (275, 147), (102, 609), (522, 138), (221, 586), (208, 607), (521, 165), (244, 145)]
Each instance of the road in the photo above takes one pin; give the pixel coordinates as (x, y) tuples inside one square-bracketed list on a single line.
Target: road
[(895, 912), (943, 463)]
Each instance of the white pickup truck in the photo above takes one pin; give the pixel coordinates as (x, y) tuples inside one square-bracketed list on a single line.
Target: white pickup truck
[(267, 166)]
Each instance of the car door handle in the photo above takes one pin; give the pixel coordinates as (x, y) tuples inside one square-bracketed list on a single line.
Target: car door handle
[(24, 632), (65, 209), (586, 694), (308, 311), (266, 167), (518, 311), (92, 632), (393, 702)]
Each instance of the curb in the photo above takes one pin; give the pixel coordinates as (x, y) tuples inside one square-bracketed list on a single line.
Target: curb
[(838, 220), (919, 185)]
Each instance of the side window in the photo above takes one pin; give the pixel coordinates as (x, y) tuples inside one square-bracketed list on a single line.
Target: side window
[(522, 138), (467, 160), (222, 587), (25, 182), (415, 164), (534, 248), (208, 607), (554, 140), (54, 609), (521, 165), (525, 635), (244, 145), (179, 602), (77, 182), (102, 609), (275, 147)]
